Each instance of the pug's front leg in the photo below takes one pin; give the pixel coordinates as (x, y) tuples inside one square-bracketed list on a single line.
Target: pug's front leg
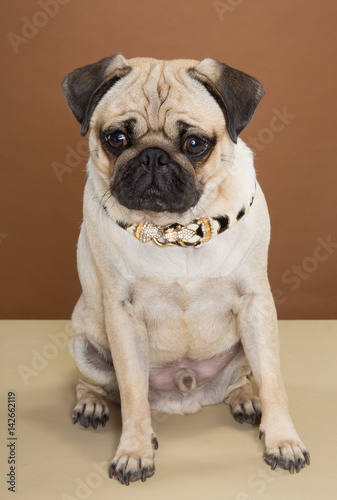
[(257, 324), (128, 341)]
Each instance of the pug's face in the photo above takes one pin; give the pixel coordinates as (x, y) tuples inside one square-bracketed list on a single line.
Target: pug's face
[(159, 128)]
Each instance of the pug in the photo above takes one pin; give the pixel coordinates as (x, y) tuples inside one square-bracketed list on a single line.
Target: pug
[(176, 310)]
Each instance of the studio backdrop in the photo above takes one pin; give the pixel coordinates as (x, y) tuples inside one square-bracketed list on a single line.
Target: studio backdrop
[(289, 46)]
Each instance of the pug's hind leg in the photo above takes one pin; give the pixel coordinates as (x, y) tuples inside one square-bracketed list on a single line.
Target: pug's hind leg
[(91, 408), (244, 404), (96, 383)]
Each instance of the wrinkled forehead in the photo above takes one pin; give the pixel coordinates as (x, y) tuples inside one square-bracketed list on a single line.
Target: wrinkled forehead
[(157, 95)]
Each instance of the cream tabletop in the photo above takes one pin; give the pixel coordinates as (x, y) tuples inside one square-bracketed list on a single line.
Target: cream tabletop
[(202, 456)]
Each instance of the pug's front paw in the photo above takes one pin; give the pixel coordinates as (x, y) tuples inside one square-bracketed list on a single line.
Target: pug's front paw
[(132, 464), (288, 453)]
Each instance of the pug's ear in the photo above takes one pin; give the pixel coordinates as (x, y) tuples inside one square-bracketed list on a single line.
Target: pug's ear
[(85, 87), (237, 93)]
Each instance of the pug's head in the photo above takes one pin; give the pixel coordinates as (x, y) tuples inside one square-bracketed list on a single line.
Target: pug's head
[(158, 128)]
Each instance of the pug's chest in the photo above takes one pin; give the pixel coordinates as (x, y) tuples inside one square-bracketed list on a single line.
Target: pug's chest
[(191, 320)]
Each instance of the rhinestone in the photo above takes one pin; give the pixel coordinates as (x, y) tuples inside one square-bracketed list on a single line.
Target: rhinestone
[(192, 226), (194, 239)]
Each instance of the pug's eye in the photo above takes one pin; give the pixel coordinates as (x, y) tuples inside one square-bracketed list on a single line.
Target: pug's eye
[(195, 145), (116, 140)]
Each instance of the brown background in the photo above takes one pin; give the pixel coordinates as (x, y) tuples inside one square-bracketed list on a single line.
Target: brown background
[(289, 46)]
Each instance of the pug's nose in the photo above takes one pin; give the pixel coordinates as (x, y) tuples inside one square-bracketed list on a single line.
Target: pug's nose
[(154, 157)]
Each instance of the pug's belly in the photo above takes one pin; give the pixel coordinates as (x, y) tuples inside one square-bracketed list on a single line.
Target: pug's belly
[(189, 374)]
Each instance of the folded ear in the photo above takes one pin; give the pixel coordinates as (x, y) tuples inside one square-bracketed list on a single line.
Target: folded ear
[(237, 93), (85, 87)]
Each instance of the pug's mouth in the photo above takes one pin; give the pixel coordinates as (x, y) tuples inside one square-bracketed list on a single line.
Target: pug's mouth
[(153, 200)]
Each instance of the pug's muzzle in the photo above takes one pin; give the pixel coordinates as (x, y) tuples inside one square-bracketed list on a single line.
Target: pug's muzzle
[(153, 181)]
